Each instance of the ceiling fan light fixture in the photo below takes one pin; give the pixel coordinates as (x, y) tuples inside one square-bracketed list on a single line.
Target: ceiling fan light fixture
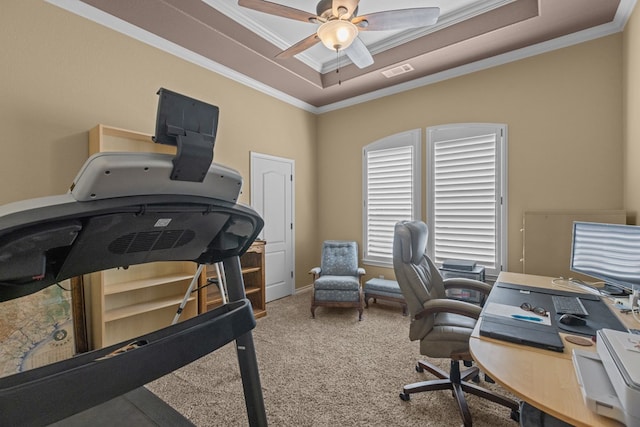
[(337, 34)]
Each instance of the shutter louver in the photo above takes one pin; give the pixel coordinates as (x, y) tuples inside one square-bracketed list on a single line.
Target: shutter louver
[(464, 192), (389, 195)]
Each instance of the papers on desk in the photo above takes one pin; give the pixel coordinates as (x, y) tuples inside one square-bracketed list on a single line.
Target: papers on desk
[(517, 313), (630, 342)]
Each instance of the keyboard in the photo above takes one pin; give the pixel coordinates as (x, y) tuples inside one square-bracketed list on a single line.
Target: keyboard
[(569, 305)]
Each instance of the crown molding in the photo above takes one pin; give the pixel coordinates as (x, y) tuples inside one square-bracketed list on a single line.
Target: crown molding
[(614, 27), (89, 12)]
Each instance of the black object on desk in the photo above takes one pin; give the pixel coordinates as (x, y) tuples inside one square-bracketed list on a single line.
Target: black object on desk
[(539, 335), (519, 332)]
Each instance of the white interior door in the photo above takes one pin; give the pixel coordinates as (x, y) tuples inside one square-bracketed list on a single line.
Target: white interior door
[(272, 198)]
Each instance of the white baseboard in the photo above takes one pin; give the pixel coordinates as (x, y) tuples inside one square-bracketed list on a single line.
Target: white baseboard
[(303, 289)]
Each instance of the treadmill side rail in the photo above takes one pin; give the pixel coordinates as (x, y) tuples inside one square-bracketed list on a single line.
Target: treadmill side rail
[(44, 395)]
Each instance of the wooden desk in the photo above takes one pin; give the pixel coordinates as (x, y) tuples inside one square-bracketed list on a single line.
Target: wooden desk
[(543, 378)]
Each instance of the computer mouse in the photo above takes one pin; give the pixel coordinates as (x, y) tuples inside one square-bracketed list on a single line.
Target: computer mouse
[(571, 320)]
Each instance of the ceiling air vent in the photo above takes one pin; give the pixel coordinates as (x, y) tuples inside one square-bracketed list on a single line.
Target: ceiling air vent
[(396, 71)]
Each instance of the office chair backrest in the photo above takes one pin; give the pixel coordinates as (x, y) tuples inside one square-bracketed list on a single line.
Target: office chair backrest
[(339, 258), (417, 276)]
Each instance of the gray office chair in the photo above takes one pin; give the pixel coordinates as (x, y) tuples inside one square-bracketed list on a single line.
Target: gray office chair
[(443, 326), (338, 280)]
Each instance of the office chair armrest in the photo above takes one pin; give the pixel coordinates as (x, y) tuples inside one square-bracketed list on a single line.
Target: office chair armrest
[(440, 305), (462, 283)]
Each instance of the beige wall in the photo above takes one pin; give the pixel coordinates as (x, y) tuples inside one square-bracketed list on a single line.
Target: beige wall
[(564, 115), (631, 98), (60, 75)]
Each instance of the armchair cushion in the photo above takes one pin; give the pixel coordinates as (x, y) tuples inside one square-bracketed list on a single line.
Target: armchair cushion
[(333, 295), (339, 260), (337, 288), (341, 283)]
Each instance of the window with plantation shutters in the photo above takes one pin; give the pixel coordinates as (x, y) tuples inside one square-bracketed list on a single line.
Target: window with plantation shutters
[(391, 187), (466, 194)]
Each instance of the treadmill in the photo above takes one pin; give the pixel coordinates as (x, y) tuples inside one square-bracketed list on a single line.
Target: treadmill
[(125, 209)]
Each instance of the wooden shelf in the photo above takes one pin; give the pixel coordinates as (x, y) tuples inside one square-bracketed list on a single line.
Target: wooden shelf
[(249, 291), (213, 275), (252, 267), (108, 138), (142, 308), (117, 288)]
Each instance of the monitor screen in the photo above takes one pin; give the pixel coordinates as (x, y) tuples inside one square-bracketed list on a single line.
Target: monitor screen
[(608, 252)]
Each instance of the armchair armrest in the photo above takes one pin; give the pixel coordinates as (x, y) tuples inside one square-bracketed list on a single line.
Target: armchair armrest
[(361, 271), (449, 306), (462, 283), (315, 271)]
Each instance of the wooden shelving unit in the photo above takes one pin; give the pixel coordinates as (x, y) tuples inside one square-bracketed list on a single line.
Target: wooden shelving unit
[(141, 299), (128, 303), (252, 264), (107, 138)]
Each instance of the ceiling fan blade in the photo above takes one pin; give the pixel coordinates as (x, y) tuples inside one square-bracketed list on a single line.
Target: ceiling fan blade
[(359, 54), (303, 44), (399, 19), (338, 6), (278, 10)]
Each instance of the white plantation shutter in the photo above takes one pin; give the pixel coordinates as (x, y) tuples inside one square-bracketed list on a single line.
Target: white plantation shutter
[(466, 195), (391, 191), (389, 196)]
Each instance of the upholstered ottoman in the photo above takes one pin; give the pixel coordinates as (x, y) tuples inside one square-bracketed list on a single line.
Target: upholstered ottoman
[(384, 289)]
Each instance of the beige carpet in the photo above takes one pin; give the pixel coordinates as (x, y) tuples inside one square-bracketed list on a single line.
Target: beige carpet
[(328, 371)]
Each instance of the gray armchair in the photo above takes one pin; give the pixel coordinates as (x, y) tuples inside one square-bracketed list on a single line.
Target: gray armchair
[(338, 280), (443, 326)]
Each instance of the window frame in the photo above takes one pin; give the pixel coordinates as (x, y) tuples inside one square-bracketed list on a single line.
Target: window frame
[(501, 171), (413, 139)]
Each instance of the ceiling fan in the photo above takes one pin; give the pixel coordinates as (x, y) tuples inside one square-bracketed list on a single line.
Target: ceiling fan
[(339, 25)]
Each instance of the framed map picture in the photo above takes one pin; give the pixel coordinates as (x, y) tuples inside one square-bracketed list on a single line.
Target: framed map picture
[(39, 329)]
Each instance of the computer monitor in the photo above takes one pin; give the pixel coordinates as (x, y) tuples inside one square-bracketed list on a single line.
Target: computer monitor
[(608, 252)]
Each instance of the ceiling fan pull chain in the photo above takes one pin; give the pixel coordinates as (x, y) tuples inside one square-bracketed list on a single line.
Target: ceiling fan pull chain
[(338, 67)]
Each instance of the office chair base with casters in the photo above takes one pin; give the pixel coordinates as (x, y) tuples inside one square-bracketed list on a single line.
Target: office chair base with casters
[(458, 382)]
